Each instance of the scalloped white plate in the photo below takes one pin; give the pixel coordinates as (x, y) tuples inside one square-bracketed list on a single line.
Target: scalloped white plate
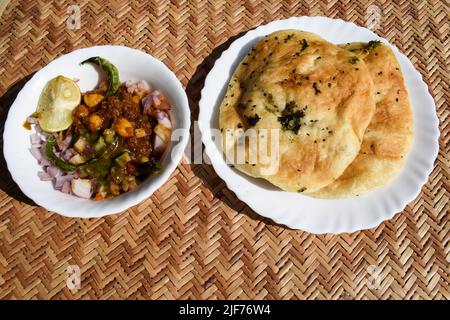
[(299, 211), (132, 65)]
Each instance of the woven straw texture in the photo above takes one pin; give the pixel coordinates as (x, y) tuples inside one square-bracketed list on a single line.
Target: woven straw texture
[(193, 238)]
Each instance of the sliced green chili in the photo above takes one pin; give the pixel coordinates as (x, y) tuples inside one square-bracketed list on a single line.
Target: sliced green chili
[(111, 71), (65, 166)]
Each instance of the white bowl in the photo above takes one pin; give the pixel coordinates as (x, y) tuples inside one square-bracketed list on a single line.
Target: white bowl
[(319, 215), (132, 65)]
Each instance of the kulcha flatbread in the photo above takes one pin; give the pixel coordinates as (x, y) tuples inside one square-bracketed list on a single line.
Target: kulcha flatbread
[(318, 97), (388, 137)]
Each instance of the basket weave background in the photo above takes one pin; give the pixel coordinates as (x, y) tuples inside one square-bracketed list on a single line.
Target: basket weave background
[(193, 238)]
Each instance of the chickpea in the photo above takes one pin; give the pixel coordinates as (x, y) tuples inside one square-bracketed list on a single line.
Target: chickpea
[(124, 128), (132, 184), (81, 111), (92, 99), (124, 185), (95, 122), (136, 99), (114, 188)]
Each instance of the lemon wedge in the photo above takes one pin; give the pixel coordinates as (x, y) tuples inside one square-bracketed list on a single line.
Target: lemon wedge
[(57, 100)]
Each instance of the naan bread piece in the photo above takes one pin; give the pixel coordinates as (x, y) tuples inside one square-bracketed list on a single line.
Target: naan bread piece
[(318, 97), (388, 137)]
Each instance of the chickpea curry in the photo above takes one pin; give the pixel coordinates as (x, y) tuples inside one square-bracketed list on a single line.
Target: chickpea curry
[(117, 137)]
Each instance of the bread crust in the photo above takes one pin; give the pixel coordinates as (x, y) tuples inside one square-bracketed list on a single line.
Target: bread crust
[(296, 75)]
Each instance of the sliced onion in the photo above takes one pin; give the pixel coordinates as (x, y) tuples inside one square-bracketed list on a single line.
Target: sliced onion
[(44, 162), (82, 188), (156, 93), (129, 84), (143, 86), (66, 187), (35, 138), (36, 152), (163, 119), (59, 181), (147, 102), (63, 144), (54, 171), (159, 101), (140, 87), (156, 101), (68, 139), (66, 155), (38, 129), (44, 176)]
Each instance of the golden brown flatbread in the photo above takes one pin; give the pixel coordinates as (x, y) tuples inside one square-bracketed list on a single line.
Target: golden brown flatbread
[(317, 96), (388, 137)]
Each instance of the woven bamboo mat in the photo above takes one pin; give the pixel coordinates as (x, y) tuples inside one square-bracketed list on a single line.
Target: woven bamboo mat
[(193, 238)]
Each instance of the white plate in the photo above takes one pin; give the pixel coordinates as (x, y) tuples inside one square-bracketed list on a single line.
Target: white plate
[(317, 215), (132, 65)]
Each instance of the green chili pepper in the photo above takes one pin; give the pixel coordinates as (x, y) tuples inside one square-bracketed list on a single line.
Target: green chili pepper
[(65, 166), (100, 145), (96, 169), (99, 167), (123, 159), (111, 71)]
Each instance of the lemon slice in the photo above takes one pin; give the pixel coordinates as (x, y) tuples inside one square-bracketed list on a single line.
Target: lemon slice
[(57, 100)]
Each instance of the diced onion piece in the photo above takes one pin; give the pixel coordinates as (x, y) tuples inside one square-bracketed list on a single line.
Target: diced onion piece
[(77, 159), (82, 188), (140, 88), (81, 144), (66, 187), (54, 171), (36, 152), (44, 162), (66, 155), (162, 138), (35, 138), (61, 180), (163, 119), (163, 103), (44, 176)]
